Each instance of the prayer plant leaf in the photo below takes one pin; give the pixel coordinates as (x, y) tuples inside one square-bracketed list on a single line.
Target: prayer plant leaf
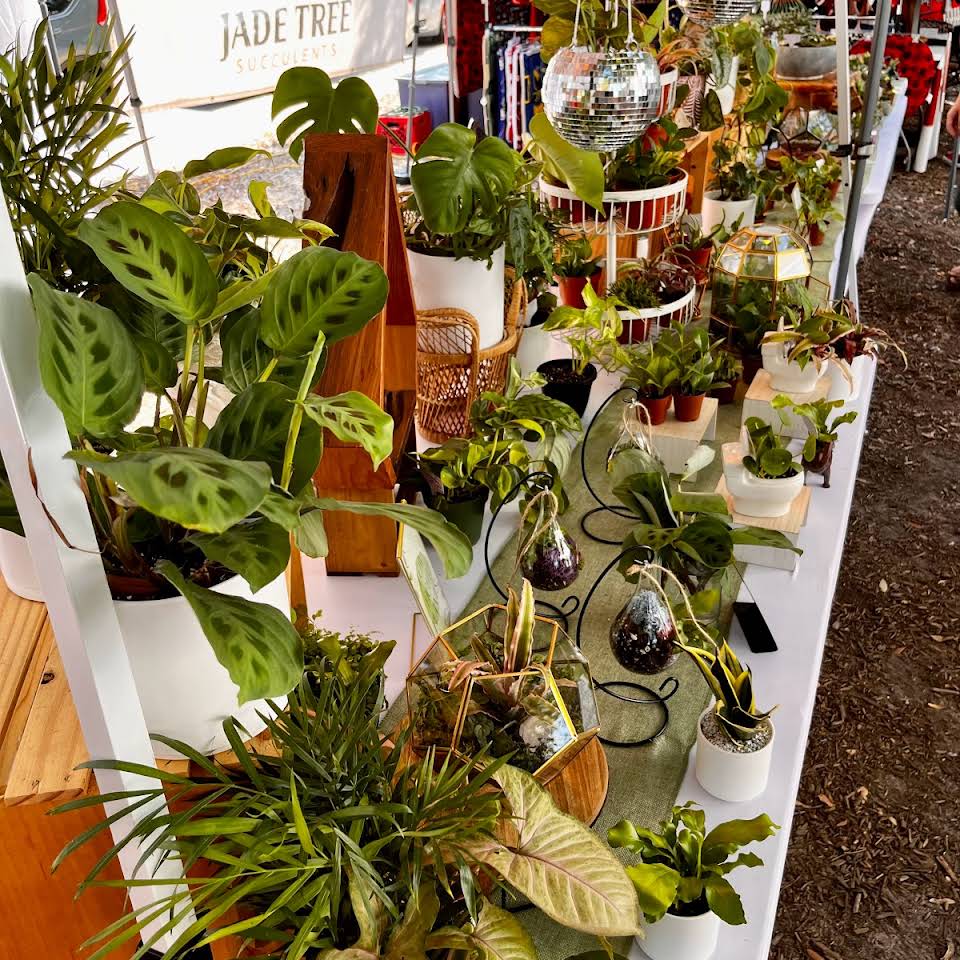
[(89, 363), (560, 864), (320, 290), (159, 367), (354, 418), (246, 356), (757, 536), (254, 426), (320, 107), (311, 534), (198, 488), (451, 544), (255, 642), (154, 259), (257, 549)]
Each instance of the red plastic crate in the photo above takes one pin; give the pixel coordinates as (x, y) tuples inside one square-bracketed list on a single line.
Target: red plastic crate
[(397, 123)]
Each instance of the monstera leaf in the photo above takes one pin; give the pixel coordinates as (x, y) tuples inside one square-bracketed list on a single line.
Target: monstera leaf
[(354, 418), (199, 489), (580, 170), (455, 177), (320, 290), (89, 363), (227, 158), (255, 642), (153, 258), (257, 549), (350, 107), (254, 426)]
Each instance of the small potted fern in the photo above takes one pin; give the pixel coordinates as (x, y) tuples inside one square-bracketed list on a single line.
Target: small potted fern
[(734, 737)]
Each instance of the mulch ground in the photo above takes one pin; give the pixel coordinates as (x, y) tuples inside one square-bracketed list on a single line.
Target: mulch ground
[(873, 870)]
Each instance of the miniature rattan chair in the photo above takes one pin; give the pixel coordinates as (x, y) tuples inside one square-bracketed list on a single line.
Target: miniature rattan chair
[(451, 369)]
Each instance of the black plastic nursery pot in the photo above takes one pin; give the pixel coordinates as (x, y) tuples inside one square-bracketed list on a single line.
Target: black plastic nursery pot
[(725, 395), (465, 514), (564, 383)]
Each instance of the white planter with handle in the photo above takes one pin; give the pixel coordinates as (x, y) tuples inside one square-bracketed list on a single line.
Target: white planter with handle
[(753, 496), (716, 211), (840, 387), (184, 690), (727, 91), (681, 938), (787, 376), (17, 567), (728, 774), (466, 284)]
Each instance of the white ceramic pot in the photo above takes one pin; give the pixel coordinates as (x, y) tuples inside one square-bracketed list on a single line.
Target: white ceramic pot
[(681, 938), (17, 567), (806, 63), (715, 211), (755, 497), (729, 775), (465, 284), (840, 387), (184, 691), (787, 376), (727, 91)]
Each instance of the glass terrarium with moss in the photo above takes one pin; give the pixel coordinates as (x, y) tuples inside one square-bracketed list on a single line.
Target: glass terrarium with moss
[(505, 682)]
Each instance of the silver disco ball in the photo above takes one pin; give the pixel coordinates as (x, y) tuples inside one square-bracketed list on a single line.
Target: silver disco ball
[(713, 12), (601, 101)]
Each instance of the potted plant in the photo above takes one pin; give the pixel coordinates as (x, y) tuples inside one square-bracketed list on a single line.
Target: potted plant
[(857, 344), (817, 453), (457, 225), (762, 475), (729, 372), (690, 246), (681, 878), (684, 54), (575, 267), (807, 56), (795, 355), (651, 294), (817, 180), (590, 333), (410, 850), (697, 367), (512, 434), (651, 370)]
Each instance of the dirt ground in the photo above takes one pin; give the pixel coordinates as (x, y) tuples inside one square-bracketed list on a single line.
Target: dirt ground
[(873, 871)]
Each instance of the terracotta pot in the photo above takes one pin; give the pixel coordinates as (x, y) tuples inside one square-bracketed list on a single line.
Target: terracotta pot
[(696, 260), (657, 407), (822, 462), (571, 289), (834, 189), (635, 329), (687, 408), (815, 235)]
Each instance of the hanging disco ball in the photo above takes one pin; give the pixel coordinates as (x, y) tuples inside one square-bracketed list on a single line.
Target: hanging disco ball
[(601, 101), (713, 12)]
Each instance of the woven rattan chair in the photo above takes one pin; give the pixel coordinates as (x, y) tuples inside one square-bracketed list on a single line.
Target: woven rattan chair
[(451, 369)]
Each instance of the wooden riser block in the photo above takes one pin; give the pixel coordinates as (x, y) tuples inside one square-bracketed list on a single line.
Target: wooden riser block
[(676, 441)]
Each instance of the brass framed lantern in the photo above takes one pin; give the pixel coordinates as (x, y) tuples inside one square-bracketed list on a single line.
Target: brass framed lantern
[(470, 693), (761, 273)]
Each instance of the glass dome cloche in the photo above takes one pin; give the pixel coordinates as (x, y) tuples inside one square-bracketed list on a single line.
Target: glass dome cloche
[(505, 681)]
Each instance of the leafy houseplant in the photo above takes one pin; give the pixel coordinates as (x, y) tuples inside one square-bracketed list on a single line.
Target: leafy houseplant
[(338, 843), (817, 453), (651, 370), (817, 178), (504, 683), (769, 458), (591, 334), (575, 267), (762, 475), (697, 367), (496, 456), (729, 371), (691, 246), (681, 879)]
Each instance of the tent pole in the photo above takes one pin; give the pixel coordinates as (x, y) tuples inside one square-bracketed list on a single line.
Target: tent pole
[(412, 89), (843, 93), (863, 146), (135, 102)]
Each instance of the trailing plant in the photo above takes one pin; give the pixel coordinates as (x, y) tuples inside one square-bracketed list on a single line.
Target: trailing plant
[(576, 259), (731, 684), (498, 453), (651, 161), (692, 533), (769, 458), (591, 332), (683, 869), (600, 28), (695, 358), (812, 335), (817, 416), (335, 842)]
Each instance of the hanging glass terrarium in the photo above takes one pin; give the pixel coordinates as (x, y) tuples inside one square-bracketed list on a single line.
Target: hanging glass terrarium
[(546, 554), (507, 682), (643, 634)]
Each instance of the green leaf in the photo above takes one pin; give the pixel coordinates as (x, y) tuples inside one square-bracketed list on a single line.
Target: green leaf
[(217, 827), (240, 293), (451, 544), (257, 193), (580, 170), (758, 537), (320, 290), (159, 367), (257, 549), (711, 116), (89, 363), (694, 502), (354, 418), (256, 643), (311, 534), (350, 107), (499, 935), (408, 938), (246, 356), (199, 489), (776, 462), (560, 864), (226, 158), (656, 885), (254, 426), (455, 176), (153, 258), (738, 833), (724, 901)]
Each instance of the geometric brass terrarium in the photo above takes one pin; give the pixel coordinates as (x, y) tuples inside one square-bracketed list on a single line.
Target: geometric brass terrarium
[(508, 682)]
